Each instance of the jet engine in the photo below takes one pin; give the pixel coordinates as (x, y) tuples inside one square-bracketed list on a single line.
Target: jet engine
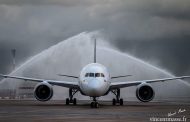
[(43, 91), (145, 92)]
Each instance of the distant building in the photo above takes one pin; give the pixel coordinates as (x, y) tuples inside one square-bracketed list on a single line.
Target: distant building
[(8, 93), (24, 91)]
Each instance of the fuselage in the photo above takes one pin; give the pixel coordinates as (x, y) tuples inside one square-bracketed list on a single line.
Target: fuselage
[(94, 80)]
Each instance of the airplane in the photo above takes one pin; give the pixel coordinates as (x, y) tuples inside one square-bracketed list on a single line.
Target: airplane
[(94, 81)]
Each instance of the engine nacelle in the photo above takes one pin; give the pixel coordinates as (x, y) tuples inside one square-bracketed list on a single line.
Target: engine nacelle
[(43, 91), (145, 92)]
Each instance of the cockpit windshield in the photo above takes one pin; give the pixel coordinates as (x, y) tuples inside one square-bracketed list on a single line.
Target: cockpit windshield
[(97, 75), (94, 75), (102, 75), (91, 74)]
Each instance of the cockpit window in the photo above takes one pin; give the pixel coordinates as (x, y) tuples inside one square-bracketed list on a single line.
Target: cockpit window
[(91, 74), (87, 74), (102, 75), (94, 74), (97, 75)]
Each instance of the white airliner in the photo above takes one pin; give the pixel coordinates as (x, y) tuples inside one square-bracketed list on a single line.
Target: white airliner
[(94, 81)]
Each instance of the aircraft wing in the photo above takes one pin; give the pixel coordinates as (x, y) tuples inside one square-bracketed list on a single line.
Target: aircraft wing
[(115, 85), (52, 82)]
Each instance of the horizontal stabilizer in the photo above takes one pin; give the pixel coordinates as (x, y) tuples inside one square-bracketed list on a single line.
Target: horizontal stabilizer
[(120, 76), (71, 76)]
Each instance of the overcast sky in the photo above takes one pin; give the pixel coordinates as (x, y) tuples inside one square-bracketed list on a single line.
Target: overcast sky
[(157, 31)]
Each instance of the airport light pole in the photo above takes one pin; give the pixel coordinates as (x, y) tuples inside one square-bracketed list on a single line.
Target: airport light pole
[(13, 52)]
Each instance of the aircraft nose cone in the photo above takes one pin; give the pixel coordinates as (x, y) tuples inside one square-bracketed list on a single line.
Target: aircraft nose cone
[(94, 84), (95, 87)]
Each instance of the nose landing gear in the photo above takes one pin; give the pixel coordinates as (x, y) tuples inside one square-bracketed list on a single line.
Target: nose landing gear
[(118, 100), (94, 103)]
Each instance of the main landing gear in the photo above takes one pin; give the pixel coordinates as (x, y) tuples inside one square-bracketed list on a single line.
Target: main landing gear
[(94, 103), (118, 100), (69, 100)]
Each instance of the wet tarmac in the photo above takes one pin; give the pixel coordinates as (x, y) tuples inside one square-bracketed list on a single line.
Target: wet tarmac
[(57, 111)]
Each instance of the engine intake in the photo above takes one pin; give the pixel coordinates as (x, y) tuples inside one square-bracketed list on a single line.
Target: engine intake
[(145, 92), (43, 91)]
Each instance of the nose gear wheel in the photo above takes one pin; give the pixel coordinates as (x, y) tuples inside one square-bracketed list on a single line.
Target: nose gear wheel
[(94, 103)]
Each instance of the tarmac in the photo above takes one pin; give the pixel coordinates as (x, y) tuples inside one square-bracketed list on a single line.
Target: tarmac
[(57, 111)]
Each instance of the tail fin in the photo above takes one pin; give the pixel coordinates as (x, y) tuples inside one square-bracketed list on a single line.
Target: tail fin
[(95, 50)]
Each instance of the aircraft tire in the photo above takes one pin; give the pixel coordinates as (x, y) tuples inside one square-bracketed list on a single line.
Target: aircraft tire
[(114, 102), (67, 101), (74, 101), (121, 101)]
